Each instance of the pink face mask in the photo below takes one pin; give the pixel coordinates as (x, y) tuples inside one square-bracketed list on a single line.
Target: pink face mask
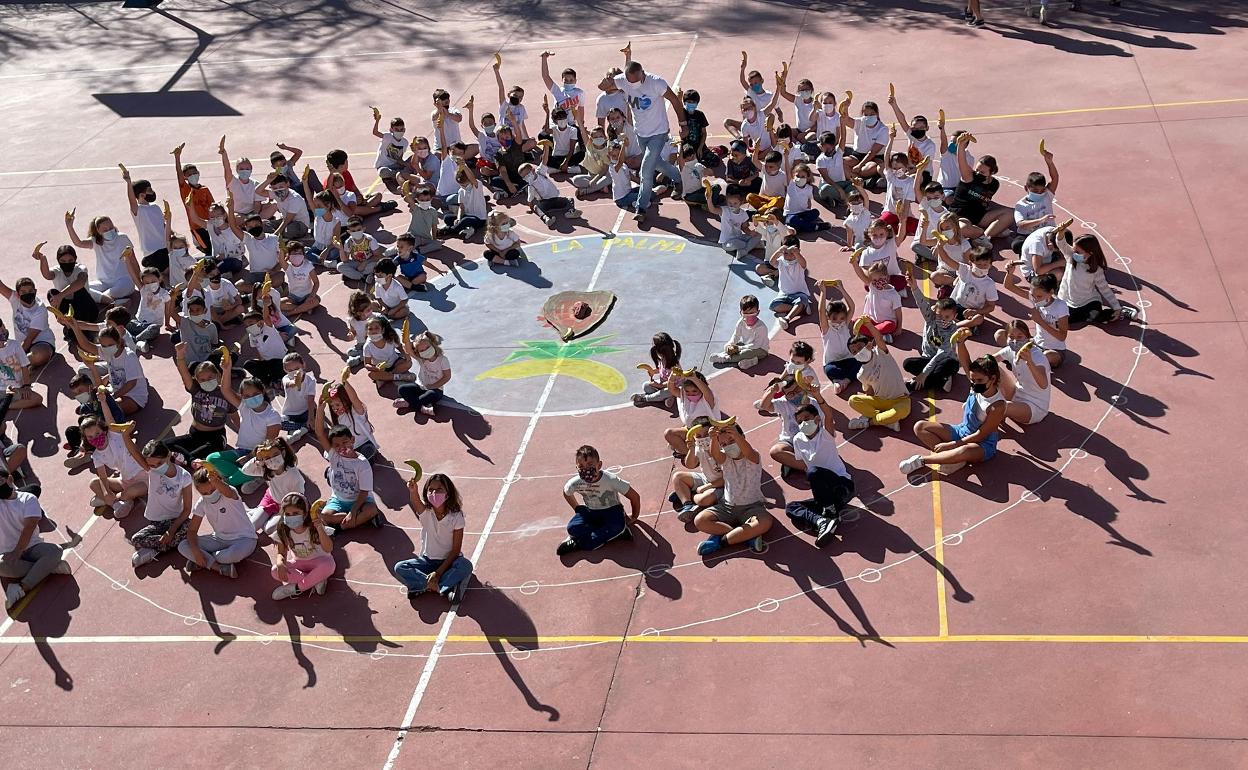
[(345, 451), (750, 320), (693, 398), (880, 283), (437, 498), (98, 441)]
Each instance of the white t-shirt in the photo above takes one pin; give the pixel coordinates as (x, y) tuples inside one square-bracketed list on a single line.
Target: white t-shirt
[(295, 205), (123, 368), (754, 132), (886, 253), (261, 252), (295, 402), (149, 220), (805, 113), (1029, 391), (865, 137), (792, 278), (299, 278), (730, 223), (541, 186), (33, 317), (825, 123), (289, 481), (616, 100), (836, 341), (386, 353), (622, 183), (305, 544), (446, 177), (323, 229), (450, 128), (900, 188), (109, 269), (773, 185), (647, 102), (222, 295), (268, 343), (563, 138), (797, 199), (1051, 313), (973, 292), (857, 222), (114, 456), (787, 411), (164, 494), (226, 515), (881, 304), (603, 493), (819, 451), (244, 195), (348, 476), (710, 469), (12, 359), (361, 428), (253, 426), (691, 174), (950, 174), (761, 99), (390, 294), (833, 164), (437, 536), (429, 372), (1027, 209), (688, 411), (512, 115), (13, 517), (390, 151), (1035, 245), (982, 403), (926, 147), (747, 336), (472, 200), (152, 299)]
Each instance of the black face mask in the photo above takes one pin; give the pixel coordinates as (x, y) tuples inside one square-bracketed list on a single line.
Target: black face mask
[(67, 267), (979, 387), (918, 133), (27, 298), (255, 232), (150, 197), (514, 100), (6, 490)]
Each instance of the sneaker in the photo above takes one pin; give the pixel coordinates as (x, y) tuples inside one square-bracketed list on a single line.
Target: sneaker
[(122, 509), (321, 586), (427, 411), (757, 545), (467, 233), (400, 405), (571, 213), (148, 334), (910, 464), (687, 512), (96, 501), (827, 530), (769, 280), (895, 427), (783, 322), (567, 547), (63, 568), (758, 405), (227, 570), (977, 22), (77, 460), (355, 362), (190, 567), (821, 226), (379, 520), (841, 386), (747, 363), (859, 423), (329, 531), (888, 338), (255, 485), (13, 594), (295, 435), (625, 534), (719, 358), (785, 472), (548, 220), (576, 170), (639, 400), (286, 591), (947, 385), (142, 347), (710, 545), (452, 594), (674, 499), (388, 206), (949, 469), (143, 556)]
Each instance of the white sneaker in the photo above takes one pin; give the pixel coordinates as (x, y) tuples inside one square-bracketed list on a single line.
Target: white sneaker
[(255, 485), (747, 363), (96, 501), (859, 423), (62, 568), (227, 570), (122, 509), (13, 594), (758, 405), (548, 220), (948, 384), (571, 213), (471, 231), (895, 427), (911, 464), (841, 386), (142, 347), (286, 591), (719, 358), (783, 322), (143, 556), (295, 435), (949, 469), (769, 280), (888, 338)]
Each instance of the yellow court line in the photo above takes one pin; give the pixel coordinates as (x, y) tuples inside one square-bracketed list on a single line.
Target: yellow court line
[(938, 524), (646, 639)]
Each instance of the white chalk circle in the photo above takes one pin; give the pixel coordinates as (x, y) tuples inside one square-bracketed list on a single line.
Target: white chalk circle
[(268, 638), (870, 575), (1118, 399), (657, 570), (118, 585), (1140, 350), (1088, 225), (850, 515), (520, 654), (403, 590), (768, 605), (1146, 303), (615, 469), (650, 632), (920, 478), (378, 653), (1030, 497), (192, 620), (1124, 261), (530, 587), (1078, 454), (951, 540)]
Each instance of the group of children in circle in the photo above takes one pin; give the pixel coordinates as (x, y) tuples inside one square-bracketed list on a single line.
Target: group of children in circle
[(264, 246)]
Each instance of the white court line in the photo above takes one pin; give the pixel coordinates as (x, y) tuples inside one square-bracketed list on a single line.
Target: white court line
[(276, 59), (432, 661)]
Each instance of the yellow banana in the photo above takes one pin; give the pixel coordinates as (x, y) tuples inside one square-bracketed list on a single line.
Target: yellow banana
[(941, 114), (325, 390), (267, 286), (225, 356), (346, 374), (800, 379), (892, 92), (1066, 225), (87, 358), (407, 329), (1042, 146), (121, 427), (417, 471), (832, 282), (315, 511), (648, 369), (693, 432), (498, 60), (861, 322), (725, 423), (376, 113)]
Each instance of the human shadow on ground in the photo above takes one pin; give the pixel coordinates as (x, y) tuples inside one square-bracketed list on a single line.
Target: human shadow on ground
[(648, 553)]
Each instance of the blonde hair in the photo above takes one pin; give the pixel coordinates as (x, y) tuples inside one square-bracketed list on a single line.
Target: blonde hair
[(434, 341)]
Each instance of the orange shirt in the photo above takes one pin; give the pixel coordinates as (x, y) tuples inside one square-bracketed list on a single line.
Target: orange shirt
[(197, 199)]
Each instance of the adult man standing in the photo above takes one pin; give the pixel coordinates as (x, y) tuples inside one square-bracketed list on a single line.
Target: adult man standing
[(646, 93)]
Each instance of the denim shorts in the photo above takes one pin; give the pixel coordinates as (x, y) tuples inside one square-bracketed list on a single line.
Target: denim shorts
[(794, 299), (338, 505), (989, 445)]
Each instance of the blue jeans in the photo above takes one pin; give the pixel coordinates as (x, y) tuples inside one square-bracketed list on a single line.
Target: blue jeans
[(414, 573), (803, 221), (844, 369), (318, 255), (655, 156), (626, 201), (594, 527), (293, 422)]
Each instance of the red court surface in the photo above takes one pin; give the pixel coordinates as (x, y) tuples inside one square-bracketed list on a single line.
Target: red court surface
[(1076, 601)]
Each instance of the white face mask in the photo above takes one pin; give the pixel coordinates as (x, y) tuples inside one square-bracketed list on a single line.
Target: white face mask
[(199, 319), (561, 123), (275, 463), (800, 181), (808, 428), (424, 205), (857, 208), (427, 353), (376, 337), (83, 398), (804, 95), (177, 253), (397, 134), (489, 130), (863, 356), (733, 451), (504, 227), (829, 109), (878, 241), (978, 272), (870, 121), (217, 221), (208, 386), (293, 522)]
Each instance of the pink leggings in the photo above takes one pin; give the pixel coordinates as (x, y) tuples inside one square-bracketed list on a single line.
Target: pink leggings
[(885, 327), (306, 573)]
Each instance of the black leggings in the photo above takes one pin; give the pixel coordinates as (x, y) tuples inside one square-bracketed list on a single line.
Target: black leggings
[(1094, 311), (417, 395), (197, 444), (267, 370), (511, 254), (938, 376)]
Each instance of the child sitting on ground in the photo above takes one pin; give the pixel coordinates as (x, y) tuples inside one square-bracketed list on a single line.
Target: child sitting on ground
[(304, 551), (749, 341), (441, 566), (502, 244), (600, 517)]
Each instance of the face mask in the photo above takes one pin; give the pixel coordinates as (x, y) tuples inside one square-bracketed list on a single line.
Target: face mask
[(794, 398), (255, 232), (489, 130), (376, 337), (693, 398), (428, 353), (800, 181), (150, 197), (99, 441), (561, 124), (870, 121), (757, 88), (150, 288), (878, 241), (808, 428), (943, 324), (212, 497), (108, 351), (174, 253), (735, 209), (1080, 258), (199, 319), (254, 402), (83, 398), (600, 143), (297, 259), (275, 463), (514, 101), (422, 153), (829, 109), (426, 205), (1035, 197), (192, 179), (217, 221), (437, 498), (857, 208), (214, 280), (836, 325), (1044, 302), (750, 320), (979, 272), (397, 134), (293, 522), (504, 228), (281, 195), (6, 490), (691, 107), (932, 204), (254, 331), (879, 283), (863, 356), (319, 211), (749, 114), (979, 387), (1016, 344), (68, 267), (161, 469), (732, 451), (110, 235), (505, 142), (530, 178), (208, 386), (345, 451), (27, 299), (918, 133), (589, 475), (805, 95)]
